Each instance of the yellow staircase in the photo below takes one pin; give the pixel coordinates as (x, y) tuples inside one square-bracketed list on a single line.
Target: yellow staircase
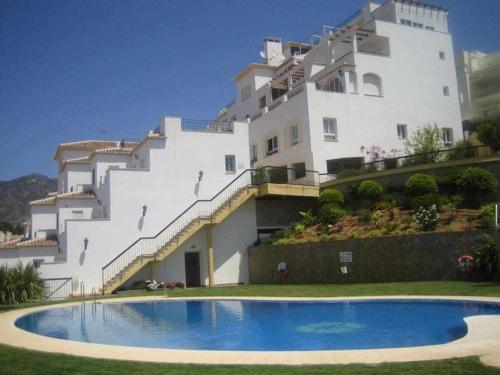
[(204, 212)]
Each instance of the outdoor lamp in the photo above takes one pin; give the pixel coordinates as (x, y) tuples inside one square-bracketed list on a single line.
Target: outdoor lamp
[(144, 209), (85, 243), (200, 175)]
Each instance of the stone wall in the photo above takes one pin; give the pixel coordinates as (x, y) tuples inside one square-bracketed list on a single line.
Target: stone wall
[(430, 256)]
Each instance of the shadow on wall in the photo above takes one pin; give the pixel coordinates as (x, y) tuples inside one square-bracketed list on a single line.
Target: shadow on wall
[(140, 224)]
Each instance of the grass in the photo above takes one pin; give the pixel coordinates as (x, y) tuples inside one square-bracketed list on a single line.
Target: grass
[(28, 362), (19, 361)]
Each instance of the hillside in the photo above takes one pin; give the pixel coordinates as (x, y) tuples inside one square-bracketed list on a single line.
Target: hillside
[(16, 194)]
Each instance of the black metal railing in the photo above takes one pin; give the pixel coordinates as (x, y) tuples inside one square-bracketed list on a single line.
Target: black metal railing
[(58, 288), (439, 156), (204, 209), (284, 175), (210, 126)]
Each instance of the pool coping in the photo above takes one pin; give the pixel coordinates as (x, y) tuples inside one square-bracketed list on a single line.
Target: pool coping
[(482, 339)]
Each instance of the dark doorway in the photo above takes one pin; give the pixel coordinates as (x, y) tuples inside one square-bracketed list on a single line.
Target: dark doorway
[(192, 264), (337, 165)]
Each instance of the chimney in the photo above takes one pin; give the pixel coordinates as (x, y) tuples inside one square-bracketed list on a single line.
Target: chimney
[(273, 53)]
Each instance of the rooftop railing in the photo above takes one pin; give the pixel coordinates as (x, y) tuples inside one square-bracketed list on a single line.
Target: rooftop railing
[(209, 126)]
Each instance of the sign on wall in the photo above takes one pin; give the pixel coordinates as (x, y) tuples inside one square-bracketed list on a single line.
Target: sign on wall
[(346, 257)]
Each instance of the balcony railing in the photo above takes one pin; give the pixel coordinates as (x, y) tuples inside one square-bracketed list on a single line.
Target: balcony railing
[(434, 157), (209, 126)]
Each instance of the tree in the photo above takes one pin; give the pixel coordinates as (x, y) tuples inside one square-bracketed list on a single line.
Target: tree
[(489, 133), (425, 139)]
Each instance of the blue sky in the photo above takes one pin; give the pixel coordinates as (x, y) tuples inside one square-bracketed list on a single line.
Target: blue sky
[(69, 69)]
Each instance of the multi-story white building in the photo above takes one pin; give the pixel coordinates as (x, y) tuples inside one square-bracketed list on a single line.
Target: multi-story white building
[(180, 204), (373, 80), (478, 77)]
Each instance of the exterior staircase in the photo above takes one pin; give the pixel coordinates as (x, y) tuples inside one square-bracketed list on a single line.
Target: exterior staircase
[(251, 183)]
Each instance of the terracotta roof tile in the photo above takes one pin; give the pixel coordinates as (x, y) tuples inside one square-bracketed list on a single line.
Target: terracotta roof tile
[(11, 244), (52, 199), (42, 242), (89, 145)]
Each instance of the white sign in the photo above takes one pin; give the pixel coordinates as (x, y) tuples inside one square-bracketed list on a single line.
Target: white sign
[(345, 257)]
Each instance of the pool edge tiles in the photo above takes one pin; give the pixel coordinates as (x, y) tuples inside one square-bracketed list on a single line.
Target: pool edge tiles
[(483, 338)]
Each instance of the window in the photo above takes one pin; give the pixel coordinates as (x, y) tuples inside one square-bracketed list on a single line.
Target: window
[(405, 22), (245, 93), (294, 135), (419, 25), (402, 131), (77, 215), (272, 145), (299, 170), (230, 164), (335, 85), (446, 91), (372, 85), (262, 102), (442, 55), (448, 136), (429, 28), (330, 129), (37, 263), (254, 153)]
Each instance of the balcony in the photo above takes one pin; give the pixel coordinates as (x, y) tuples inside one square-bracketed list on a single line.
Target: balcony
[(207, 126)]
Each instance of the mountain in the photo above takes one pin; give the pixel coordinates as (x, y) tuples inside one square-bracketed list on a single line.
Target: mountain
[(16, 194)]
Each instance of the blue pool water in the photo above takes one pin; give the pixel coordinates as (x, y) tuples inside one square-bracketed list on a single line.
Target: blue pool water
[(260, 325)]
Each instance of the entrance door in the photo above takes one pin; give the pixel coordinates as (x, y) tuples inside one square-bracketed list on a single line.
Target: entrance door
[(192, 264)]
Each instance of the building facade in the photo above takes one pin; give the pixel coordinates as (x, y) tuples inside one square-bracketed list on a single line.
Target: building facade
[(478, 76), (371, 81), (179, 205)]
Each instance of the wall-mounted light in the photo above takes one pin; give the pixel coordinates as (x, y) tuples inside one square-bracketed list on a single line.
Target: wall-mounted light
[(144, 210), (200, 175), (85, 243)]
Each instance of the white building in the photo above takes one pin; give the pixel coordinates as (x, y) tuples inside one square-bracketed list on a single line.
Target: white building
[(373, 80), (179, 205), (478, 77)]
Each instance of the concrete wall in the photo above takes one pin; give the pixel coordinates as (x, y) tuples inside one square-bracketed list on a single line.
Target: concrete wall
[(431, 256), (281, 211), (26, 255), (167, 187)]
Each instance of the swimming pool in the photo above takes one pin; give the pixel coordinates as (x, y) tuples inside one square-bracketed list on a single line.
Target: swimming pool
[(260, 325)]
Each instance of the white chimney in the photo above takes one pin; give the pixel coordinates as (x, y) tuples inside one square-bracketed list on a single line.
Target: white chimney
[(273, 53)]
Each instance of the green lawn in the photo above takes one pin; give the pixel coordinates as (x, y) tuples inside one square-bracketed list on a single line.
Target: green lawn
[(17, 361)]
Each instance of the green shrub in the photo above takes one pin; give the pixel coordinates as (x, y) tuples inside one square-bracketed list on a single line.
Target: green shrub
[(477, 181), (487, 217), (308, 218), (377, 219), (331, 196), (390, 226), (427, 218), (363, 215), (407, 220), (489, 133), (462, 150), (420, 184), (20, 284), (371, 191), (298, 227), (330, 213), (486, 258), (425, 201)]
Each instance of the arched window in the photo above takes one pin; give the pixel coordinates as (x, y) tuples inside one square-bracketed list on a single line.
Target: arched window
[(372, 84)]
